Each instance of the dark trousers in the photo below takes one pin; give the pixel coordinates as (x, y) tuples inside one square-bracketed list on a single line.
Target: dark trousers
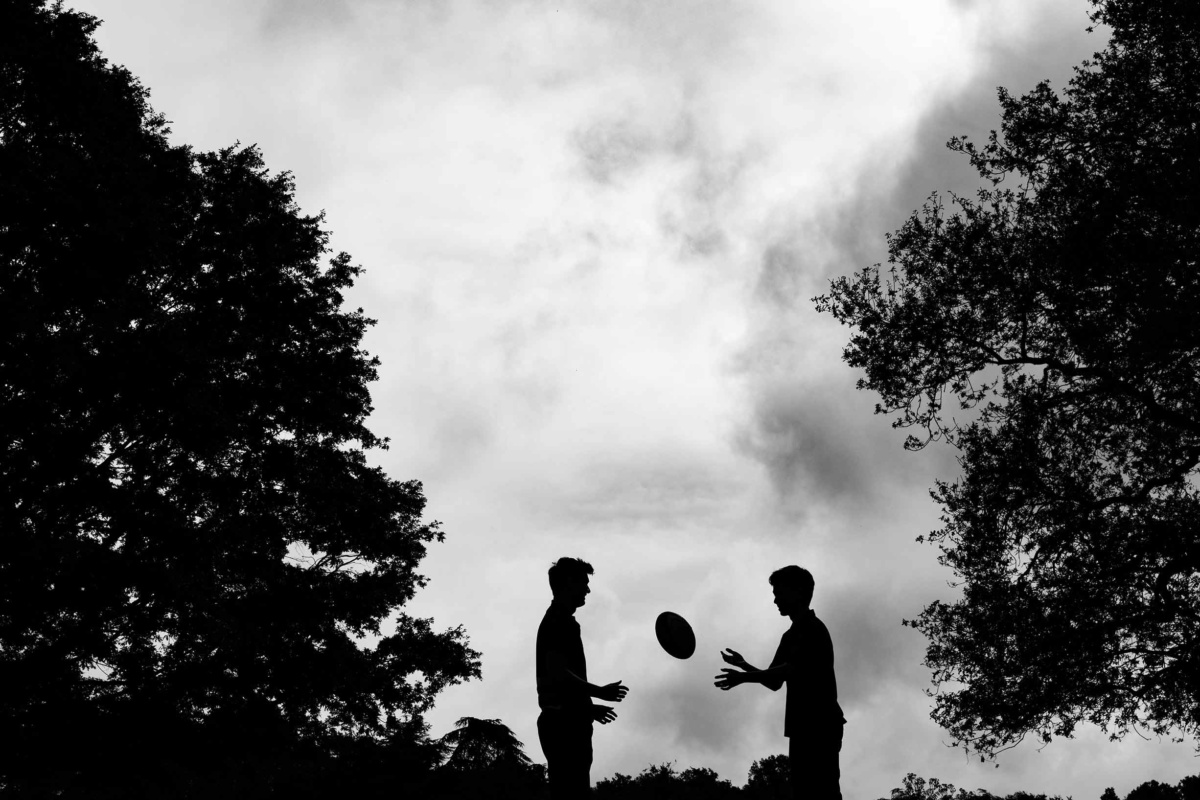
[(567, 745), (816, 774)]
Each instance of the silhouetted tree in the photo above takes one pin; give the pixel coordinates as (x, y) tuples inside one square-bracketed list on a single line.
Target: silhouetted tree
[(477, 744), (915, 787), (662, 782), (769, 779), (194, 542), (982, 795), (1153, 790), (1186, 789), (485, 759), (1060, 313)]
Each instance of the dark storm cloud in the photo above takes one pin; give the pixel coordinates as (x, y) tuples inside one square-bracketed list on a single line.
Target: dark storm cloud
[(807, 442), (818, 437)]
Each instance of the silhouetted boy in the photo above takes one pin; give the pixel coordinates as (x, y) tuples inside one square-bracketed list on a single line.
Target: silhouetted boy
[(813, 719), (564, 694)]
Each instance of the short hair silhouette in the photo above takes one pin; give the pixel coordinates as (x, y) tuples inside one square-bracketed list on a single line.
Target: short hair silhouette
[(795, 578), (568, 570)]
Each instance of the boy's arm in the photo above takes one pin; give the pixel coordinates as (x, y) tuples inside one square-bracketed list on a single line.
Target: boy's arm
[(612, 692), (734, 658), (772, 677), (556, 661), (559, 668)]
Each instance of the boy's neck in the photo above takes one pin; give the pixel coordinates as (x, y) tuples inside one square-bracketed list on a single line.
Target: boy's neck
[(796, 616), (562, 605)]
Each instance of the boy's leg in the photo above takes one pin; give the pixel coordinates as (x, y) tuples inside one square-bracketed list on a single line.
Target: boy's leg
[(567, 745), (815, 767)]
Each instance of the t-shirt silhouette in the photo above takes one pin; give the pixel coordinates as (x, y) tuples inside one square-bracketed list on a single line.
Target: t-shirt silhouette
[(560, 645), (812, 704)]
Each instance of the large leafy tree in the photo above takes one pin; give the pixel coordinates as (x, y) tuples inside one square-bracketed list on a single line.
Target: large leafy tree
[(1050, 329), (192, 536)]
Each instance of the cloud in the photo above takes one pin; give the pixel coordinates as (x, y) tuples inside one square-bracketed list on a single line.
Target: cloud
[(679, 37), (284, 17), (799, 436), (650, 489), (876, 655), (615, 146), (781, 280), (664, 139)]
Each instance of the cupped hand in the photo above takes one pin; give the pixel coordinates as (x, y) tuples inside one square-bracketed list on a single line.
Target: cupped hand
[(614, 692), (728, 679), (603, 714), (733, 657)]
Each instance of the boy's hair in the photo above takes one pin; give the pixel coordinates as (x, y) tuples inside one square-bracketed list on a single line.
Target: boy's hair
[(796, 578), (568, 570)]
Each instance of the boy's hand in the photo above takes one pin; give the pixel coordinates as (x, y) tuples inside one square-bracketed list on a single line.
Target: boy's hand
[(728, 679), (603, 714), (734, 658), (613, 692)]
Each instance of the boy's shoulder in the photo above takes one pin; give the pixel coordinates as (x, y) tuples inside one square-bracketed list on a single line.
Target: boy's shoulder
[(808, 626), (557, 619)]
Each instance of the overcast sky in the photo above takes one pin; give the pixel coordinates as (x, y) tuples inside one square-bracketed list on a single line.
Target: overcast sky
[(592, 232)]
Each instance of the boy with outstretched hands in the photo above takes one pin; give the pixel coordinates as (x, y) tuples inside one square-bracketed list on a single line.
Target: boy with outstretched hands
[(813, 719)]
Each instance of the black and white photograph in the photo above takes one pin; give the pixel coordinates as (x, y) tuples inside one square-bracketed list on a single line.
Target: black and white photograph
[(613, 399)]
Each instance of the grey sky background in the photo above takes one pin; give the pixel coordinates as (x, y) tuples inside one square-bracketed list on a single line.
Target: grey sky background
[(592, 232)]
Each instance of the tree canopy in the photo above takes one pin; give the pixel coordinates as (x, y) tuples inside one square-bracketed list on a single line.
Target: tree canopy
[(1049, 328), (485, 759), (193, 537), (770, 778), (483, 744)]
